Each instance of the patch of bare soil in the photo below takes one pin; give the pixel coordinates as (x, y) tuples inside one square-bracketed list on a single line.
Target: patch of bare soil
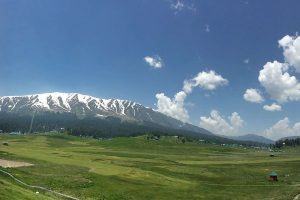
[(297, 197), (13, 164)]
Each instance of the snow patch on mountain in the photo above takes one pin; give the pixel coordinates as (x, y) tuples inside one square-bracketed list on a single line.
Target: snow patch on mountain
[(68, 102)]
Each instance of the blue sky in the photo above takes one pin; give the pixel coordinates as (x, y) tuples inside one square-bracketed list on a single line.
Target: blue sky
[(99, 48)]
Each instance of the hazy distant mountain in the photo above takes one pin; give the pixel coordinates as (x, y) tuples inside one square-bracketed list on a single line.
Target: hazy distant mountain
[(254, 138), (87, 106)]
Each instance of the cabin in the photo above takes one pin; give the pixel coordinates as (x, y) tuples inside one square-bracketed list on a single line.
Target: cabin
[(273, 176)]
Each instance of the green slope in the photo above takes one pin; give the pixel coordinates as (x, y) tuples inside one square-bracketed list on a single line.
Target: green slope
[(11, 191)]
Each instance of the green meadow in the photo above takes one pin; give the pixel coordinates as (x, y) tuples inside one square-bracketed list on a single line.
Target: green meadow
[(136, 168)]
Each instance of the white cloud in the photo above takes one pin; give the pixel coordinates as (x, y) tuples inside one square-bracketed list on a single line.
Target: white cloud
[(279, 84), (246, 61), (282, 129), (277, 78), (253, 95), (206, 80), (236, 121), (273, 107), (173, 107), (180, 5), (217, 124), (154, 61), (291, 50), (207, 28)]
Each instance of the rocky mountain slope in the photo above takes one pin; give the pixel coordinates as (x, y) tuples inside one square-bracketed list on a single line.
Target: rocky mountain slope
[(84, 105)]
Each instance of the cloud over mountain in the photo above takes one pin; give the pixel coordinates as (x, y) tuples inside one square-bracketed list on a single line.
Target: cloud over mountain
[(282, 129), (175, 107), (217, 124)]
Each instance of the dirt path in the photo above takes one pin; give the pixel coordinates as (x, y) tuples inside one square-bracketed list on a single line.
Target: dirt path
[(13, 164), (297, 197), (37, 187)]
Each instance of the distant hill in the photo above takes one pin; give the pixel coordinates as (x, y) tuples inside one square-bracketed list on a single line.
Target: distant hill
[(254, 138)]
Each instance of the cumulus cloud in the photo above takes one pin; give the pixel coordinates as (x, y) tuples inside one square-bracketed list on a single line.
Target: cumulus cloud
[(282, 129), (276, 77), (217, 124), (206, 80), (291, 50), (253, 95), (175, 107), (154, 61), (273, 107), (279, 84)]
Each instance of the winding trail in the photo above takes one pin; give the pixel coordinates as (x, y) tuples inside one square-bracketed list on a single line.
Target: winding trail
[(38, 187)]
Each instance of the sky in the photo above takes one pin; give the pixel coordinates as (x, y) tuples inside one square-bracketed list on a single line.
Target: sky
[(232, 68)]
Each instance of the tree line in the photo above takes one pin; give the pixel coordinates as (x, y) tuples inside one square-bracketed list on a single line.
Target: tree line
[(291, 142), (90, 126)]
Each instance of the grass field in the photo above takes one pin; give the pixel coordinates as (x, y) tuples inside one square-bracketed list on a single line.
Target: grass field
[(135, 168)]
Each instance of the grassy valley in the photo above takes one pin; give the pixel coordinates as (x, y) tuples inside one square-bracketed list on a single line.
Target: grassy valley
[(137, 168)]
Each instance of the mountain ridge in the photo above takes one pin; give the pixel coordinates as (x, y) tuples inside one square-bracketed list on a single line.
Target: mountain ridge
[(85, 105), (254, 138)]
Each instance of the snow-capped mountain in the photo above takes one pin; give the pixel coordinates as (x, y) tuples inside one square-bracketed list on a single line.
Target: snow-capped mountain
[(84, 105), (69, 102)]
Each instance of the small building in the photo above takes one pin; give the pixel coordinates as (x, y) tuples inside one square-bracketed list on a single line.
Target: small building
[(1, 131), (273, 176)]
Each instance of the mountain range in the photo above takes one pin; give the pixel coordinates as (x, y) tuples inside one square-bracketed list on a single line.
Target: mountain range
[(89, 107), (253, 137), (84, 105)]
